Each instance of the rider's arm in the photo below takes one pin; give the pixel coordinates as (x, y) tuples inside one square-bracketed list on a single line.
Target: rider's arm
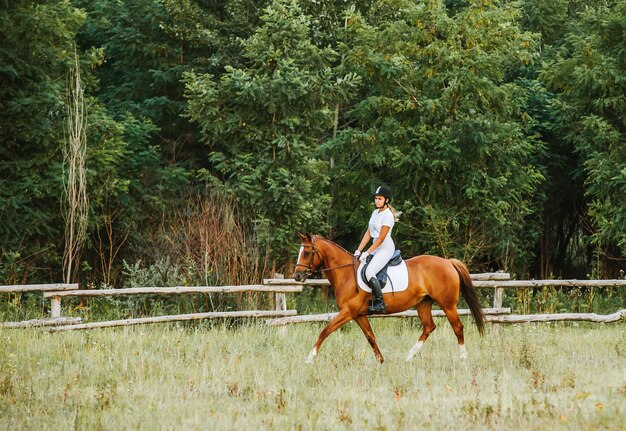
[(384, 230), (365, 240)]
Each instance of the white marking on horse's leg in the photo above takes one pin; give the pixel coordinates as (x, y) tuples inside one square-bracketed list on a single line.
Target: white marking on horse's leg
[(463, 351), (312, 356), (414, 350)]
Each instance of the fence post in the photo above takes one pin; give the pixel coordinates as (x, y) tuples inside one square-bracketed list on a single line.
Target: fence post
[(55, 307), (497, 297), (280, 299)]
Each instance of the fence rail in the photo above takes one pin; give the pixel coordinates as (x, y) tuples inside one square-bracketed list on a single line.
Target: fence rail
[(517, 284), (59, 321), (327, 317), (19, 288), (582, 317), (495, 277), (499, 280), (175, 290), (176, 318)]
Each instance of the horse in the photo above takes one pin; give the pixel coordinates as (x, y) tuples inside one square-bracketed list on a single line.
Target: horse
[(431, 279)]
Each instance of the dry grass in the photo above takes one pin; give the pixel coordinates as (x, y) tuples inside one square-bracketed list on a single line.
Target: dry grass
[(251, 376), (210, 235)]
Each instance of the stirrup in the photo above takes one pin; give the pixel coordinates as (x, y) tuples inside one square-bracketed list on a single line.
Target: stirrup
[(377, 308)]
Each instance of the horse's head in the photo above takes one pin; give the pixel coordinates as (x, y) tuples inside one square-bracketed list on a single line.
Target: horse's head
[(309, 258)]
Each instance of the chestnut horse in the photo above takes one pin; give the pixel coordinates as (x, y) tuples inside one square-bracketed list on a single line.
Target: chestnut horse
[(431, 279)]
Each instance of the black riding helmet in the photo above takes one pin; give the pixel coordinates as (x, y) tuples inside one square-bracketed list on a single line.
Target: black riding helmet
[(382, 191)]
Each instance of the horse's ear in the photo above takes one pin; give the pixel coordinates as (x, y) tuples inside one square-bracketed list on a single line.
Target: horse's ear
[(305, 236)]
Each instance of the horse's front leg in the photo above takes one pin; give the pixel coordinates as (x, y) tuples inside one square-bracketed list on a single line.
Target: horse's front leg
[(343, 317), (364, 324)]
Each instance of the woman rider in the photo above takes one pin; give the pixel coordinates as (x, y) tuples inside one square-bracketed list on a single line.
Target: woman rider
[(379, 230)]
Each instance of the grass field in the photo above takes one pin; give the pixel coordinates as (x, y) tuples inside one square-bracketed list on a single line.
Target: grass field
[(249, 376)]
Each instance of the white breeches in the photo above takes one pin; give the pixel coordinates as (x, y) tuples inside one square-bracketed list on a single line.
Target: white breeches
[(380, 258)]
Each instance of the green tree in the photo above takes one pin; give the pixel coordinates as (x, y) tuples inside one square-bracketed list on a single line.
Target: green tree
[(142, 65), (587, 71), (142, 152), (263, 122), (441, 120), (36, 51), (547, 17)]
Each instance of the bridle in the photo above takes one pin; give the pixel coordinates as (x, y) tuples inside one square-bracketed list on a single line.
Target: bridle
[(309, 267)]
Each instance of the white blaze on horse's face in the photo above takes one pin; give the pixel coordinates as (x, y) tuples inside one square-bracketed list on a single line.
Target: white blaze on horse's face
[(300, 254), (298, 274)]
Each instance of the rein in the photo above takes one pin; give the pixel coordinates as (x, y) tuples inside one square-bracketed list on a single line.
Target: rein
[(309, 267)]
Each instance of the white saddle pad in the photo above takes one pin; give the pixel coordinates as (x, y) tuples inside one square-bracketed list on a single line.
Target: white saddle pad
[(398, 279)]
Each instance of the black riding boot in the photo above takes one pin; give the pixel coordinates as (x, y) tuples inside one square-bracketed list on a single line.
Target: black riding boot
[(378, 306)]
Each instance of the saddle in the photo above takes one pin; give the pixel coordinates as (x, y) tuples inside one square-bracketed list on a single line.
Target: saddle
[(396, 259)]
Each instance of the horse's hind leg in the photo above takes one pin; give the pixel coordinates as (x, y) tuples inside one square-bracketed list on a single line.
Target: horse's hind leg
[(457, 327), (424, 311), (364, 324)]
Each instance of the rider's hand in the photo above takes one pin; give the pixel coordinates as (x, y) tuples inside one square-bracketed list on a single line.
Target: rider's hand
[(363, 256), (357, 253)]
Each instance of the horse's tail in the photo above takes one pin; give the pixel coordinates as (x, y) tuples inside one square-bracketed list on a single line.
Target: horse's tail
[(470, 295)]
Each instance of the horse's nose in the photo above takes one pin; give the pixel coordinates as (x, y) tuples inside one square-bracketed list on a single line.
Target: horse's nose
[(297, 276)]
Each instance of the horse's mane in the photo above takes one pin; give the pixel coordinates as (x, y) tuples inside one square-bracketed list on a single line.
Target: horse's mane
[(331, 242)]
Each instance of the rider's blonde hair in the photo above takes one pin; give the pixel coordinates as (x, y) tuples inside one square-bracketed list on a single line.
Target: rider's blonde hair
[(395, 212)]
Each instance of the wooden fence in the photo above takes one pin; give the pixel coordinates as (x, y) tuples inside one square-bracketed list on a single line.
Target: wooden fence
[(499, 281), (55, 306), (281, 315), (55, 292)]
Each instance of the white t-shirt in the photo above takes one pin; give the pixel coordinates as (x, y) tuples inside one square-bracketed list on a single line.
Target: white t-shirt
[(377, 221)]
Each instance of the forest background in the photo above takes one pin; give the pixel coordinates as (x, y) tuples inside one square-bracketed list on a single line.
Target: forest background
[(197, 137)]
